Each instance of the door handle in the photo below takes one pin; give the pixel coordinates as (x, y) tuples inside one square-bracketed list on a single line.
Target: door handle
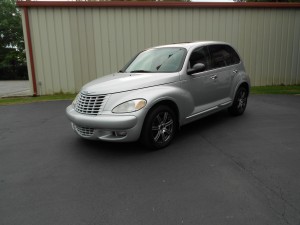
[(234, 71), (214, 77)]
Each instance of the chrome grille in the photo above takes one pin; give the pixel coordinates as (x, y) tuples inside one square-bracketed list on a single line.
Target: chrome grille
[(90, 104), (84, 131)]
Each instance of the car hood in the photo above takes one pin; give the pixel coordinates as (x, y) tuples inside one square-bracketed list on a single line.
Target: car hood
[(119, 82)]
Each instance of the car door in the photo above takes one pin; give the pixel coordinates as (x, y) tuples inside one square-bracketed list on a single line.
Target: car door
[(203, 85), (223, 63)]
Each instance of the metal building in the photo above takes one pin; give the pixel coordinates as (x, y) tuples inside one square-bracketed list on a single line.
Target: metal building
[(71, 43)]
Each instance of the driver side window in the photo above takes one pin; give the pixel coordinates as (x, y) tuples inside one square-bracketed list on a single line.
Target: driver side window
[(200, 55)]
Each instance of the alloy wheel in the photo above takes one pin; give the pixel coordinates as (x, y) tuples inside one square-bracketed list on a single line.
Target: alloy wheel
[(242, 100), (162, 127)]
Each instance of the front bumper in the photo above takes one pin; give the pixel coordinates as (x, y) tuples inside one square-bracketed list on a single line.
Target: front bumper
[(105, 127)]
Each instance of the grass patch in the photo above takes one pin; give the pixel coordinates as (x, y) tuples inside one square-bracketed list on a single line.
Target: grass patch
[(290, 90), (43, 98)]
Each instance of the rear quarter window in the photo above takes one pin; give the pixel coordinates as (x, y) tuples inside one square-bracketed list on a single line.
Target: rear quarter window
[(223, 55)]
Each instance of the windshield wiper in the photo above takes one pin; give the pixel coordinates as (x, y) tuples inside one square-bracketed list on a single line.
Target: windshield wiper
[(140, 71), (169, 56)]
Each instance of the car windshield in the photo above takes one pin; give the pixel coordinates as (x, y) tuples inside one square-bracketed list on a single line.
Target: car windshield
[(157, 60)]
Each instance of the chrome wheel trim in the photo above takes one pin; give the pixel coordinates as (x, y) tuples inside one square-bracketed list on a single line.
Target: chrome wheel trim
[(162, 127)]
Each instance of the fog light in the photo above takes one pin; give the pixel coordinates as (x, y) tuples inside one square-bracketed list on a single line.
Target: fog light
[(120, 133)]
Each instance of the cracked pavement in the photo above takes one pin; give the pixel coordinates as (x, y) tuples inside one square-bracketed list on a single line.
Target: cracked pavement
[(218, 170)]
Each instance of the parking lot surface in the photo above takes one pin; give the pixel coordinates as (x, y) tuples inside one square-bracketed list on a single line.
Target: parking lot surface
[(218, 170), (12, 88)]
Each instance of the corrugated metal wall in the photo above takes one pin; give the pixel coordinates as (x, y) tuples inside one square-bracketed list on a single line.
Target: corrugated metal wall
[(72, 46)]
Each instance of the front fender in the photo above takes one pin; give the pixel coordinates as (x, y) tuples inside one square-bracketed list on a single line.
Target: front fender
[(153, 95)]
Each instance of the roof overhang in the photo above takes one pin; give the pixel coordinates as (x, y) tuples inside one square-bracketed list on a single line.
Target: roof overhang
[(148, 4)]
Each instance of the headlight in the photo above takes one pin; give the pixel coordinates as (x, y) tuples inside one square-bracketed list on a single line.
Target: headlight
[(130, 106), (75, 100)]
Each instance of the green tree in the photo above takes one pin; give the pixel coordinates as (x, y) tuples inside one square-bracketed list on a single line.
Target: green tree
[(12, 50)]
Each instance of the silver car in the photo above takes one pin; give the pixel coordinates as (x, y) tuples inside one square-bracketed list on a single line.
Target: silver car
[(159, 90)]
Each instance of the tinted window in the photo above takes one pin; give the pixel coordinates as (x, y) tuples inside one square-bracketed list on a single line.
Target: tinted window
[(222, 55), (200, 55)]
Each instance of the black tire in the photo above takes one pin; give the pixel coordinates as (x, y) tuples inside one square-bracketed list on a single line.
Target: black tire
[(240, 102), (159, 127)]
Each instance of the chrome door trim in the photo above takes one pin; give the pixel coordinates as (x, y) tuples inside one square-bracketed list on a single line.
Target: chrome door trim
[(226, 103), (202, 112)]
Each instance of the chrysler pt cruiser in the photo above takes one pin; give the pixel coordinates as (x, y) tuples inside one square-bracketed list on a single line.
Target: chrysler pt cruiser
[(159, 90)]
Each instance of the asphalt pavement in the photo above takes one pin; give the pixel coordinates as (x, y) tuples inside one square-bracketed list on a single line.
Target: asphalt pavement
[(218, 170)]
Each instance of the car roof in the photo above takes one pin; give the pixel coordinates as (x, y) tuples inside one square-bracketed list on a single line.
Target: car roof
[(189, 45)]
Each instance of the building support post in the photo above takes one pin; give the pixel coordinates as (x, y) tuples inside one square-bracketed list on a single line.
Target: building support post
[(30, 51)]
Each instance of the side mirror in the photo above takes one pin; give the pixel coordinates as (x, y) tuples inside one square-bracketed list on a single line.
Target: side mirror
[(197, 68)]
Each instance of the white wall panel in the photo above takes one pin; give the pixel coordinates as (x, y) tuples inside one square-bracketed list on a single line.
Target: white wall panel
[(72, 46)]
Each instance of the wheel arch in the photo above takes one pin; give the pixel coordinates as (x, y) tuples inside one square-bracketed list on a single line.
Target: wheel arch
[(241, 84), (170, 104), (144, 136), (245, 85)]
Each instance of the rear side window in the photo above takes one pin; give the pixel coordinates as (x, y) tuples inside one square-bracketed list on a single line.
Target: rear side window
[(223, 55)]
